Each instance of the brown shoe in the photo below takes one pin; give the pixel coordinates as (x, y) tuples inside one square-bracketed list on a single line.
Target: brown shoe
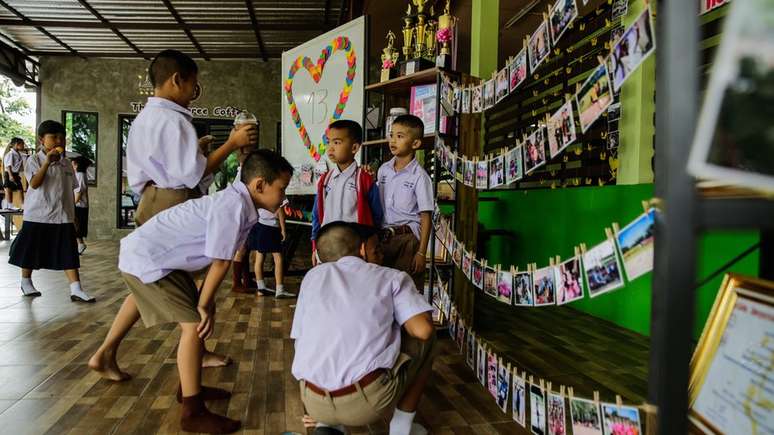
[(197, 418)]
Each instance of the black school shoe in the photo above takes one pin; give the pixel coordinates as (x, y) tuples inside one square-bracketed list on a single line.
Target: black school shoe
[(74, 298), (31, 295)]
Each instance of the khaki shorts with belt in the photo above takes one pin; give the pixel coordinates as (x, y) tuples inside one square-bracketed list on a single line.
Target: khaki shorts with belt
[(154, 200), (399, 251), (371, 402), (172, 299)]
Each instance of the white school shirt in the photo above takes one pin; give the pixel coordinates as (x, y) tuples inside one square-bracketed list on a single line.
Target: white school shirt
[(405, 194), (53, 201), (13, 161), (340, 195), (162, 147), (189, 236), (83, 188), (265, 217), (369, 303)]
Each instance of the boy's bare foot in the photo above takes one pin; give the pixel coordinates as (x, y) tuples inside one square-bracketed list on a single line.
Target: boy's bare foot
[(212, 359), (106, 365)]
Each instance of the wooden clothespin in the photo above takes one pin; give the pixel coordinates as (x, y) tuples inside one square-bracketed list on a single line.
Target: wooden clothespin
[(583, 248), (618, 401), (558, 260), (548, 386), (567, 97), (551, 261), (545, 14), (514, 270), (509, 366), (570, 393), (596, 397), (497, 268), (616, 228), (601, 60), (577, 250), (609, 233), (542, 384), (548, 119), (526, 43), (524, 375), (531, 380), (645, 206), (561, 391)]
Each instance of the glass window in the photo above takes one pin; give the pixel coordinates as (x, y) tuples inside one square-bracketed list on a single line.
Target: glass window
[(82, 130)]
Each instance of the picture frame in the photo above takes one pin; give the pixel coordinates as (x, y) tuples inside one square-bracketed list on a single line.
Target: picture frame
[(594, 96), (560, 130), (482, 174), (534, 151), (517, 70), (501, 85), (544, 285), (496, 171), (620, 418), (562, 14), (539, 46), (636, 44), (636, 245), (514, 165), (523, 293), (602, 268), (585, 417), (569, 281)]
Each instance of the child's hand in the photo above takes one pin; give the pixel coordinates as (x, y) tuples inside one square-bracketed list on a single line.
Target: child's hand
[(419, 264), (244, 135), (207, 324), (284, 236), (314, 258), (53, 156), (308, 421)]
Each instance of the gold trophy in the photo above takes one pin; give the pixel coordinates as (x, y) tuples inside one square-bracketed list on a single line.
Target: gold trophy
[(408, 34), (415, 38), (444, 35), (421, 28), (390, 57), (432, 26)]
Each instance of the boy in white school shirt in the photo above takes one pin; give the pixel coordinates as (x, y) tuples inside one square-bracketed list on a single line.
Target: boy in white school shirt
[(156, 261)]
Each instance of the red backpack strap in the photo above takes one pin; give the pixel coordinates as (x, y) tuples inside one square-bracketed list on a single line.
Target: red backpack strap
[(364, 182), (321, 195)]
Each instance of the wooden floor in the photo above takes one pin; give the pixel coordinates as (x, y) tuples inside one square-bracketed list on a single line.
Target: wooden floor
[(46, 388)]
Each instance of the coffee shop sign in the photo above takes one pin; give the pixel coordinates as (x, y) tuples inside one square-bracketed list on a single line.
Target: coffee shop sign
[(217, 111)]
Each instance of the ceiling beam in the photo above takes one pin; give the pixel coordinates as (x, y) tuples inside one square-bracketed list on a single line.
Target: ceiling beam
[(310, 26), (241, 55), (111, 27), (254, 21), (39, 28), (188, 33)]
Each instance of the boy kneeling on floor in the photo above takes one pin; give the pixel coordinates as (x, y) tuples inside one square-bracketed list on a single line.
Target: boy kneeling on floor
[(364, 336)]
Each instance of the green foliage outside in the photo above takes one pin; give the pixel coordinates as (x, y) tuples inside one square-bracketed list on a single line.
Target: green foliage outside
[(12, 103), (82, 133)]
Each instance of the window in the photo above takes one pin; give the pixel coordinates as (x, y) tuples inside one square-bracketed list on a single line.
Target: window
[(82, 130)]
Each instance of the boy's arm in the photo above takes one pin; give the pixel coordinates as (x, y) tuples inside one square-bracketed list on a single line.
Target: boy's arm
[(215, 275), (245, 135), (420, 260), (281, 219)]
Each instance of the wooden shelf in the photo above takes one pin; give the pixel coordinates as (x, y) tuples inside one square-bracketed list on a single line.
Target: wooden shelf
[(404, 83)]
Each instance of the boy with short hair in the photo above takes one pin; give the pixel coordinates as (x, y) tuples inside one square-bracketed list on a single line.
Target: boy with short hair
[(407, 198), (346, 192), (157, 258)]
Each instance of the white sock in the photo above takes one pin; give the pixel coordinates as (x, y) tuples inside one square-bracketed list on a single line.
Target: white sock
[(27, 287), (261, 284), (76, 290), (81, 247), (401, 422), (280, 288)]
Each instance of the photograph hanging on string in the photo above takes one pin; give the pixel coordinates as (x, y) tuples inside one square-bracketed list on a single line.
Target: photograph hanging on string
[(457, 253), (593, 97), (482, 174), (477, 274), (614, 112), (456, 167), (491, 374), (503, 386), (461, 337), (544, 283), (489, 94), (613, 139), (514, 165), (496, 171), (522, 289), (490, 282), (586, 419), (470, 354), (634, 46), (469, 174), (539, 46), (537, 408), (477, 99), (534, 150), (517, 70), (635, 242), (466, 100), (569, 284), (625, 419), (620, 8), (563, 12), (556, 414), (467, 261), (519, 400), (561, 130), (505, 287), (457, 99), (602, 269), (501, 86), (481, 362)]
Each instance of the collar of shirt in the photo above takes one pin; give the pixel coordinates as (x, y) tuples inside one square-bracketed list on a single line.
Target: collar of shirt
[(241, 188), (163, 103), (411, 167), (350, 259), (335, 172)]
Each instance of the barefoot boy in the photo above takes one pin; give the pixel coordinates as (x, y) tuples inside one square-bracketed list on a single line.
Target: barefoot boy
[(156, 261)]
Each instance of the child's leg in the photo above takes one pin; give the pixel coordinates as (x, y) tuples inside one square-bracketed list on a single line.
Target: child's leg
[(28, 289), (279, 268), (76, 292), (259, 257), (104, 360)]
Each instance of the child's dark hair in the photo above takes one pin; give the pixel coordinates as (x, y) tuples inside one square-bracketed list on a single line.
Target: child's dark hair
[(413, 122), (266, 164), (354, 130), (50, 127), (169, 62), (15, 140), (81, 164)]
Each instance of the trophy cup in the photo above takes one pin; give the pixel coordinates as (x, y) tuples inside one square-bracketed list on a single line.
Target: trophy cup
[(389, 56), (432, 26), (415, 52), (408, 34), (444, 36)]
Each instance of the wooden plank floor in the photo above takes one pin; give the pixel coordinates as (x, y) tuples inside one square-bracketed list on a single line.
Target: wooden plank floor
[(46, 388)]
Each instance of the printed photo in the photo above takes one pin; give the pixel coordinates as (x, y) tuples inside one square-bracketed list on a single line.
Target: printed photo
[(477, 105), (522, 289), (585, 417), (620, 8), (477, 274), (490, 282), (614, 112), (457, 253), (561, 130), (556, 424), (569, 285), (457, 99), (491, 374), (562, 14), (460, 336), (466, 100), (517, 70), (496, 171), (450, 240), (482, 174), (501, 87), (544, 283), (505, 287), (469, 174), (613, 139), (459, 166), (518, 396), (489, 94), (636, 44), (514, 165), (537, 407), (539, 46), (470, 356), (623, 420), (503, 387), (635, 242), (594, 97), (602, 269), (466, 263), (534, 151), (481, 364)]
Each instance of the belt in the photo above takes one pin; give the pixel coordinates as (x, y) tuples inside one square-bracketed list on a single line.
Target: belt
[(192, 193), (391, 232), (363, 382)]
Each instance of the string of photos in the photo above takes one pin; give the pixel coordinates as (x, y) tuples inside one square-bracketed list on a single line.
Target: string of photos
[(594, 97), (595, 271), (547, 405)]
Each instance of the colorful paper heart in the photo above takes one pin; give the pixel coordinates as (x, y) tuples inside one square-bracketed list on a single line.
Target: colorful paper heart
[(340, 43)]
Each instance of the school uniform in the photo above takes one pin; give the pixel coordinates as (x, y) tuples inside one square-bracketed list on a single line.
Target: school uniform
[(13, 165), (47, 237), (82, 206), (265, 237), (163, 159), (353, 370), (350, 195), (157, 259), (404, 194)]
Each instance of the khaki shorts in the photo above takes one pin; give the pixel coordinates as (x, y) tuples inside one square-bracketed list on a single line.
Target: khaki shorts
[(371, 403), (154, 200), (399, 252), (172, 299)]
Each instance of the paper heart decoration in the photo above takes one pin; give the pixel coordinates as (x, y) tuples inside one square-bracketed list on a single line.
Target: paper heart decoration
[(340, 43)]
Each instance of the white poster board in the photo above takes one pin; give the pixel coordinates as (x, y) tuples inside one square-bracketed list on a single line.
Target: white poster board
[(322, 81)]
